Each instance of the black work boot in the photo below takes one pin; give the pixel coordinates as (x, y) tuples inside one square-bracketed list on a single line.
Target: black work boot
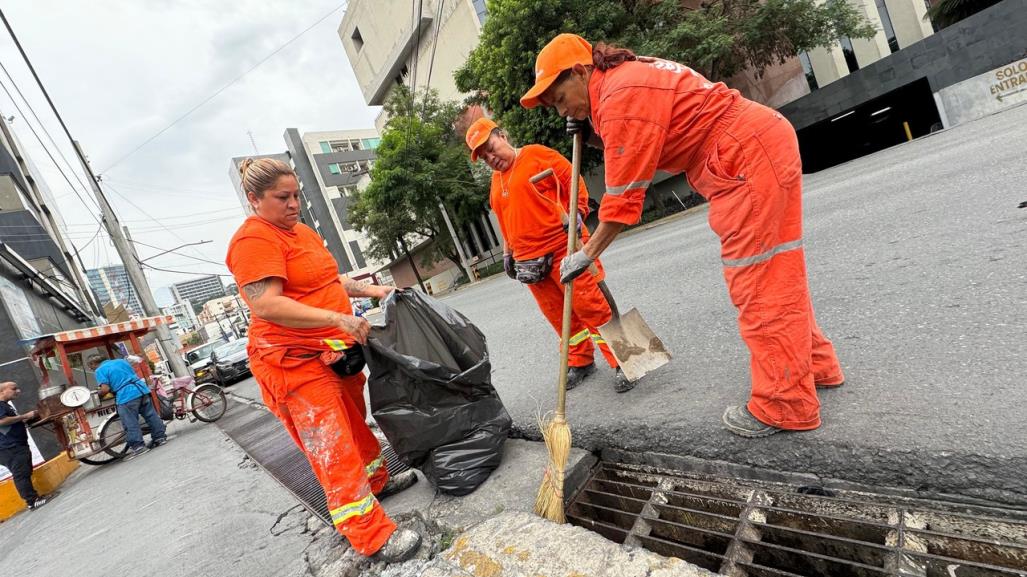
[(577, 374), (621, 384), (740, 421), (402, 545), (397, 484)]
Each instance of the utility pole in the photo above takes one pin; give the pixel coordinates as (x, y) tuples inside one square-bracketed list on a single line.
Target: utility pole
[(456, 242), (135, 272)]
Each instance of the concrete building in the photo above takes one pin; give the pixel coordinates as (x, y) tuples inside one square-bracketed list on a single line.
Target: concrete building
[(909, 81), (41, 290), (184, 315), (390, 42), (198, 290), (111, 285)]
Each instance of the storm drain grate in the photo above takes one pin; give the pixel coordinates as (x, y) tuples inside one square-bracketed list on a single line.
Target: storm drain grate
[(260, 434), (749, 528)]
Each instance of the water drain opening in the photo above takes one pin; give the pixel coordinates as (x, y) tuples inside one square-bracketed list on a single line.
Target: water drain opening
[(263, 438), (748, 528)]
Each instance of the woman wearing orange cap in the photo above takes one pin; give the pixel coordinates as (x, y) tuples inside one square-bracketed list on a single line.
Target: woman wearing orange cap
[(531, 217), (304, 354), (654, 114)]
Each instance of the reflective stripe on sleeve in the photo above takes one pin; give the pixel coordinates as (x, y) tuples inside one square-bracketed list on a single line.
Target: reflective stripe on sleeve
[(598, 339), (350, 510), (578, 338), (763, 256), (618, 190)]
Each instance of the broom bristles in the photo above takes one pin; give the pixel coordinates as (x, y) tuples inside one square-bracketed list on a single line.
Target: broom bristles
[(549, 501)]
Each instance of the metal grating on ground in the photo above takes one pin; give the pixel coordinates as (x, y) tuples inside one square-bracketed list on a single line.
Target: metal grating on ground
[(755, 529), (262, 437)]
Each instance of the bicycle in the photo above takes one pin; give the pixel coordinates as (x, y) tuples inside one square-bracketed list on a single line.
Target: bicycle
[(206, 403)]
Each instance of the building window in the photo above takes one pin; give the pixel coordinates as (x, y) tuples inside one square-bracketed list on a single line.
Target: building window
[(358, 40), (334, 168), (325, 147), (370, 143), (889, 30), (850, 53), (807, 68)]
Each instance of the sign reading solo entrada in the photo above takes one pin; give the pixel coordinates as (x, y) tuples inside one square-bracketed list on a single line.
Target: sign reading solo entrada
[(1010, 79)]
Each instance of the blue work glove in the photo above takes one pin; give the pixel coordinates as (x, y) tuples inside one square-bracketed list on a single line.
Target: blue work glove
[(572, 266), (508, 266)]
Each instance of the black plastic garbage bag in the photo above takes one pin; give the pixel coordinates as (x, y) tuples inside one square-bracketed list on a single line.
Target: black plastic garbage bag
[(431, 392)]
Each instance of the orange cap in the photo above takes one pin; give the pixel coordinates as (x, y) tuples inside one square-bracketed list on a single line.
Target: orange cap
[(562, 53), (478, 133)]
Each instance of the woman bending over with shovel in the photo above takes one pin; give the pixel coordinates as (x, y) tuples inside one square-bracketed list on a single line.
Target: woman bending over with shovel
[(530, 194), (743, 157)]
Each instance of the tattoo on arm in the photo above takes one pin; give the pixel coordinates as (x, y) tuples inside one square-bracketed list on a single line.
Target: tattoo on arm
[(255, 290), (354, 286)]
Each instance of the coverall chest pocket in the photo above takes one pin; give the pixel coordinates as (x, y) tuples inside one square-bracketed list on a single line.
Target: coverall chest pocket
[(310, 269)]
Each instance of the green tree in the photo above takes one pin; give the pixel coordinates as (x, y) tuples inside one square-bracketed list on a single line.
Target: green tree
[(419, 163), (719, 39), (948, 12)]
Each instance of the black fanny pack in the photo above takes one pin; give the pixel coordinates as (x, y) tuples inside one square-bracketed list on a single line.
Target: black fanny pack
[(534, 270), (351, 363)]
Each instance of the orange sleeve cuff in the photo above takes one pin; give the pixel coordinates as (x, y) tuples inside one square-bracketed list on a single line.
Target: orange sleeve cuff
[(625, 208), (252, 259)]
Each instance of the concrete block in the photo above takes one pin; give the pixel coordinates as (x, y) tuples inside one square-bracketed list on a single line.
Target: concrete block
[(511, 487), (516, 544)]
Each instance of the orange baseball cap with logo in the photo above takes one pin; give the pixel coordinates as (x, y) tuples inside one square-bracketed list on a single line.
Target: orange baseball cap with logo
[(562, 53), (478, 133)]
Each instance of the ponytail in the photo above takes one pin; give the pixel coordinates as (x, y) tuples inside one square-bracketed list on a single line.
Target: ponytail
[(605, 57)]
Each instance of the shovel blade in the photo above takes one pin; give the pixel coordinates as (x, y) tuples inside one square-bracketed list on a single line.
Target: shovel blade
[(637, 348)]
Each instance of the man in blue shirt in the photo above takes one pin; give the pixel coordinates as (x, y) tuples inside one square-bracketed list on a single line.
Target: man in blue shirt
[(133, 399), (14, 445)]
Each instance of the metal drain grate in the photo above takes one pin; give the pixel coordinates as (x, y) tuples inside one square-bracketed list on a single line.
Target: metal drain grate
[(759, 529), (263, 438)]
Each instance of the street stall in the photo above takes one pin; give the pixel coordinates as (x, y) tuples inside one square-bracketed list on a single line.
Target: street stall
[(84, 424)]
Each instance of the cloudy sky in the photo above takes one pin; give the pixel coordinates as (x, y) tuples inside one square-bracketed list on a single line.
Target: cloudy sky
[(119, 71)]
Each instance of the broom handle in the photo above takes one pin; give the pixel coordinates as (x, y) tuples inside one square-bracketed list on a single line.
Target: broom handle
[(568, 289)]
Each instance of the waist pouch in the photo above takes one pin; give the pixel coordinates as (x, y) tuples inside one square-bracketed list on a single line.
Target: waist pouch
[(351, 362), (534, 270)]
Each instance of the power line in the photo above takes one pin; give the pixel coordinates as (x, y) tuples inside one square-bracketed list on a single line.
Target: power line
[(191, 272), (434, 45), (175, 251), (219, 90), (47, 150)]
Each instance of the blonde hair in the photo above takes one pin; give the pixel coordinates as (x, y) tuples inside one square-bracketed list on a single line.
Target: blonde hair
[(260, 174)]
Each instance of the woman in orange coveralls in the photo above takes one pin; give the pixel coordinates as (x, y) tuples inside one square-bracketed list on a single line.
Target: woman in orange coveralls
[(302, 353), (654, 114), (532, 218)]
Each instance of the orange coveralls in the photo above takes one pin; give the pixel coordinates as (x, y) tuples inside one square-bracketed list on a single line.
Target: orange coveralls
[(531, 219), (323, 412), (744, 158)]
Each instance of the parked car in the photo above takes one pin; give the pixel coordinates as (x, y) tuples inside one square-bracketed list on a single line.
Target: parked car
[(231, 362), (200, 363)]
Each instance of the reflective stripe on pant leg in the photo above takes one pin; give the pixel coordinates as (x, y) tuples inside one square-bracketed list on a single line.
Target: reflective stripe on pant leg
[(548, 294), (758, 218), (328, 425), (580, 337)]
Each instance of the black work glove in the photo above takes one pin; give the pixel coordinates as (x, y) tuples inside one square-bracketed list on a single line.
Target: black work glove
[(575, 126), (508, 266)]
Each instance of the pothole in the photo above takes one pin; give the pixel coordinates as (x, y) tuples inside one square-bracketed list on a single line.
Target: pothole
[(747, 528)]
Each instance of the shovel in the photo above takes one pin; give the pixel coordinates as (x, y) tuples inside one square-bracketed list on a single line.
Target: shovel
[(635, 346)]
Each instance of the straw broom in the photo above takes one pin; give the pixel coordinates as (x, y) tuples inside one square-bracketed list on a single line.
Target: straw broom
[(555, 429)]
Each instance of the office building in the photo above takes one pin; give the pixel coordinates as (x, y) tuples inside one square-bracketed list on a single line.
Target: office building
[(185, 316), (198, 290), (111, 285), (389, 43)]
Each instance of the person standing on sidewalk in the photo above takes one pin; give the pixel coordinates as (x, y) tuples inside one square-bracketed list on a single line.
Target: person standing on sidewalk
[(15, 454), (532, 218), (654, 114), (132, 396), (305, 355)]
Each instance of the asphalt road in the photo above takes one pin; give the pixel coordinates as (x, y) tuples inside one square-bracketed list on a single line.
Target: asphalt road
[(918, 269)]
